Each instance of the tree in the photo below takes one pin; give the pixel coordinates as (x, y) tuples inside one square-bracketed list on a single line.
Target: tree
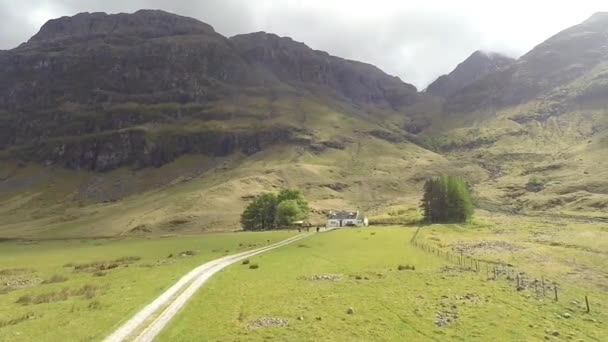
[(447, 199), (288, 212), (261, 213), (268, 211), (295, 195)]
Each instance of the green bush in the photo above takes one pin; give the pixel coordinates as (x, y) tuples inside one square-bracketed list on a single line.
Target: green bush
[(406, 268), (535, 184), (254, 266)]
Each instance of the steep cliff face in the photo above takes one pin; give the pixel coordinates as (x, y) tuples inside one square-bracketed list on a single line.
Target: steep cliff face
[(297, 64), (88, 78), (475, 67), (134, 147)]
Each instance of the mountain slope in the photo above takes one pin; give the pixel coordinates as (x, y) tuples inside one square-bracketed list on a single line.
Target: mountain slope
[(559, 60), (543, 117), (111, 124), (154, 123), (98, 91), (475, 67)]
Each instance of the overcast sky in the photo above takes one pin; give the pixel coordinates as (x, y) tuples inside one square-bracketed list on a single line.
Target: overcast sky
[(416, 40)]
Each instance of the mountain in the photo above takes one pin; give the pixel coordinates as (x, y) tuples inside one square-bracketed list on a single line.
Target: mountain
[(153, 123), (561, 59), (475, 67), (542, 118), (120, 83)]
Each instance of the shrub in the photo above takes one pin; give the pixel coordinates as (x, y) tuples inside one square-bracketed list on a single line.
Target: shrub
[(55, 279), (17, 320), (246, 262), (535, 184), (406, 267), (127, 259), (254, 266), (24, 300), (94, 305)]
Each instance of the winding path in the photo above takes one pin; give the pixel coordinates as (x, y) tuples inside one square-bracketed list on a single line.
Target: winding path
[(152, 319)]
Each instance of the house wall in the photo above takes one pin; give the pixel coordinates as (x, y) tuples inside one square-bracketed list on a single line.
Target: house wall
[(350, 222), (333, 223)]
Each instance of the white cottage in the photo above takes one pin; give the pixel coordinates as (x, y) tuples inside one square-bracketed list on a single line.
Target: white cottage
[(346, 219)]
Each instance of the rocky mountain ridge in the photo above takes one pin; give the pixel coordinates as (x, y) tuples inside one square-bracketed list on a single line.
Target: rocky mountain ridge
[(475, 67), (94, 75)]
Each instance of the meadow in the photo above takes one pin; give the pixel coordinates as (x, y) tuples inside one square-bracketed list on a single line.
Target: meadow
[(82, 289), (373, 284)]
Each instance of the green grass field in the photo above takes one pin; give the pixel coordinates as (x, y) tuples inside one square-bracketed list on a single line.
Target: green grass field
[(303, 292), (80, 290)]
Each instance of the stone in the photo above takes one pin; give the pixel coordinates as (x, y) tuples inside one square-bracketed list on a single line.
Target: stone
[(350, 311), (566, 315)]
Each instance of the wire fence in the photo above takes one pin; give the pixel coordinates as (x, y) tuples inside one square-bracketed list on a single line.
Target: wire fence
[(541, 287)]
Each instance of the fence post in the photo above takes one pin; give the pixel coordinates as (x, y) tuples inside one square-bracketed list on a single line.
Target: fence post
[(543, 284), (587, 303), (555, 289)]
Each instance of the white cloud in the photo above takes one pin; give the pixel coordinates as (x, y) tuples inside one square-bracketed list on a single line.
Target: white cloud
[(416, 40)]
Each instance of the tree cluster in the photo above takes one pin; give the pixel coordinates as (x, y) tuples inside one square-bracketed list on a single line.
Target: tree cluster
[(447, 199), (270, 211)]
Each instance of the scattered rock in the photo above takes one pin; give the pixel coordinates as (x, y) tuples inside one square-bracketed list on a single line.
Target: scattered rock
[(495, 245), (325, 277), (300, 318), (350, 311), (268, 322), (566, 315)]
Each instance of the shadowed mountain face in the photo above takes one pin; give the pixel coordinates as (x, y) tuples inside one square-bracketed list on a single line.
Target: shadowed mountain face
[(475, 67), (98, 91), (297, 64)]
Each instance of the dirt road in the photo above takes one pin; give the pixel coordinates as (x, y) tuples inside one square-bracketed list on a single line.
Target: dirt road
[(150, 321)]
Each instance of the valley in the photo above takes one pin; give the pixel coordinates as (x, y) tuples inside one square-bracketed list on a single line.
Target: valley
[(131, 143)]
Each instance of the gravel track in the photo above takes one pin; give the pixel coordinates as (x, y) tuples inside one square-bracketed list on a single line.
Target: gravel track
[(176, 297)]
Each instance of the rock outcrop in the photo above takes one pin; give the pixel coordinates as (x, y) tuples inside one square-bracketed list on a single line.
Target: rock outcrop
[(93, 90)]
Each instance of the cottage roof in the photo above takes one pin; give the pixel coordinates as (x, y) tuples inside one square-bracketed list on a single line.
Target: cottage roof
[(343, 215)]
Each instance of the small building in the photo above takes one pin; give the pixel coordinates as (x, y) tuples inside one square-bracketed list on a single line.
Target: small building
[(346, 219)]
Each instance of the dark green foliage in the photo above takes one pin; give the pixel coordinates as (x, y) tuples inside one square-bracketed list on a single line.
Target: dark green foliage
[(406, 268), (270, 211), (447, 199), (261, 213), (254, 266), (535, 184)]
